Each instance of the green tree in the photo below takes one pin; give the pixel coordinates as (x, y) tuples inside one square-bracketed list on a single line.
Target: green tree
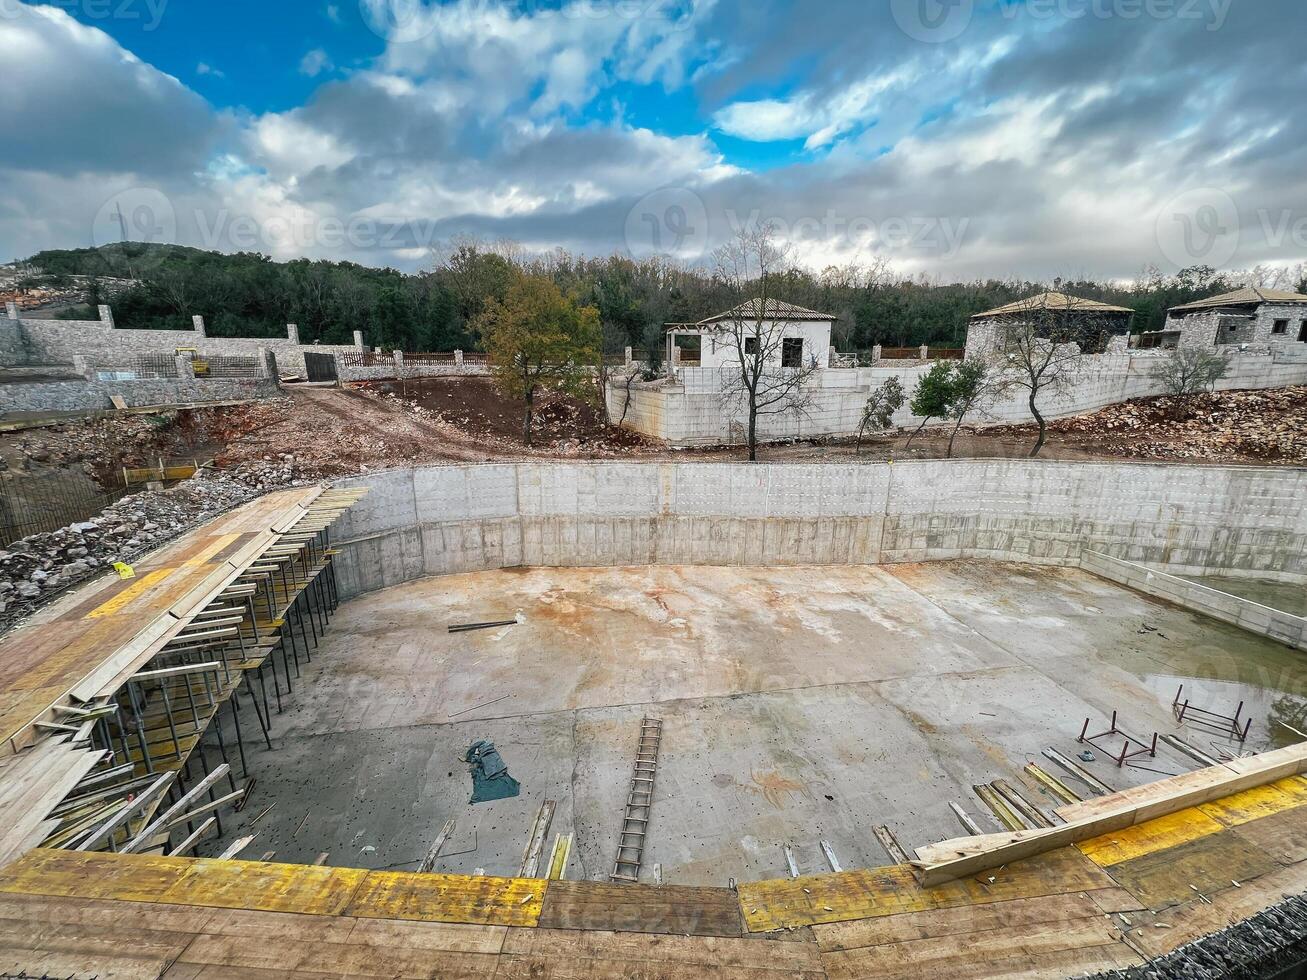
[(878, 413), (969, 388), (933, 396), (538, 340)]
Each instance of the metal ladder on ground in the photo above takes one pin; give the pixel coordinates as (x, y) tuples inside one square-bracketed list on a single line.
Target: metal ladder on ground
[(635, 823)]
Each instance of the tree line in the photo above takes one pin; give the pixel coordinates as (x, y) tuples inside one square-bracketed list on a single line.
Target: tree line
[(250, 295)]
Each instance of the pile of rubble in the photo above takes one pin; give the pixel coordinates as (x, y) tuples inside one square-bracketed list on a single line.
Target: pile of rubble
[(38, 568), (1262, 426)]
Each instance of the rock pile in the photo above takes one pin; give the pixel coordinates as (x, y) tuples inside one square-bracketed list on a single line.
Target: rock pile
[(36, 569)]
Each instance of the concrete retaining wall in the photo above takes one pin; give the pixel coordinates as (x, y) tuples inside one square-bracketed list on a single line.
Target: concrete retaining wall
[(448, 519), (1248, 615), (691, 412), (89, 396)]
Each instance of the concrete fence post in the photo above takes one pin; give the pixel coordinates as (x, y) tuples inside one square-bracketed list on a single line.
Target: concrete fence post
[(268, 365), (832, 356), (198, 323), (925, 353), (293, 333), (399, 363), (358, 340), (630, 358), (875, 354), (458, 358), (11, 310), (185, 366), (106, 316)]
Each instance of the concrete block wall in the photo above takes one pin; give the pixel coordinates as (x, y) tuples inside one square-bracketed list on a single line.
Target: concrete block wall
[(448, 519), (91, 396), (691, 412), (1274, 624), (59, 341)]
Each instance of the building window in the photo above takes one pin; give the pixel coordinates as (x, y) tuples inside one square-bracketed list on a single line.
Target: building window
[(1281, 326), (1302, 332), (750, 346), (792, 352)]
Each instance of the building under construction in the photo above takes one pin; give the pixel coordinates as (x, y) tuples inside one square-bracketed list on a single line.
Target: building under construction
[(972, 718)]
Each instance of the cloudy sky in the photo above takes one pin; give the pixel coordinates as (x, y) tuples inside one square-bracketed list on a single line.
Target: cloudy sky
[(952, 137)]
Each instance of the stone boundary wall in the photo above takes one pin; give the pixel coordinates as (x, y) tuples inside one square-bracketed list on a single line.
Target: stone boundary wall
[(1263, 620), (32, 341), (691, 412), (1191, 519), (91, 396)]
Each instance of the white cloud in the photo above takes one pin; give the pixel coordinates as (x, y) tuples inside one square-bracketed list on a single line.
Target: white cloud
[(206, 69), (315, 62)]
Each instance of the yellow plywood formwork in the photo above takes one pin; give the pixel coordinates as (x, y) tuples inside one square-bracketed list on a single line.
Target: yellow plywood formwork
[(1148, 838), (449, 898), (788, 903), (1262, 801)]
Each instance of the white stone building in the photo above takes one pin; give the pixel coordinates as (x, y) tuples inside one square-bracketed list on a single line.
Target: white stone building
[(1246, 316), (1098, 327), (791, 335)]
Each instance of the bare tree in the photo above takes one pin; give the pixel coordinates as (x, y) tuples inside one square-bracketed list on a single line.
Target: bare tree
[(751, 267), (1190, 371), (1041, 351)]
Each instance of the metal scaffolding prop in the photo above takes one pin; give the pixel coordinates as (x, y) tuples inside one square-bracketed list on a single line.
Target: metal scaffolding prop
[(1230, 726), (1130, 747), (164, 741)]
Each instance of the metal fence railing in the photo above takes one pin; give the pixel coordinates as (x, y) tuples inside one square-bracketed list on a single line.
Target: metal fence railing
[(434, 359), (231, 366), (364, 358), (473, 359), (31, 504)]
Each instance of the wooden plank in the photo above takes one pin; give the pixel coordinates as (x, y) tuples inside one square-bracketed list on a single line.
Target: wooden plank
[(336, 959), (1283, 836), (1094, 818), (1181, 873), (712, 953), (448, 898), (1053, 952), (675, 910), (955, 921), (518, 967), (264, 887)]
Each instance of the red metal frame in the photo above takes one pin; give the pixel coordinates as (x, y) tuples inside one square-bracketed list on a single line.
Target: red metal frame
[(1130, 748)]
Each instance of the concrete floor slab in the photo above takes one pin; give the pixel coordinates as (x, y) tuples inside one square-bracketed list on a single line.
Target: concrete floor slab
[(799, 705)]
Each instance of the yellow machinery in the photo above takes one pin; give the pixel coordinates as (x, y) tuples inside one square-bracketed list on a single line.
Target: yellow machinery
[(200, 365)]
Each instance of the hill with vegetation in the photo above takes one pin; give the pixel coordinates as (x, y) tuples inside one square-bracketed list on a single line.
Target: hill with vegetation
[(250, 295)]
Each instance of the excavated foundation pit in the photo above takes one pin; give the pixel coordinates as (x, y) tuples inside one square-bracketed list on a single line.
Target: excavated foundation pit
[(800, 705)]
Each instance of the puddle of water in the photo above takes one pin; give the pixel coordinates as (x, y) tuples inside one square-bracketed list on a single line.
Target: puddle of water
[(1284, 596)]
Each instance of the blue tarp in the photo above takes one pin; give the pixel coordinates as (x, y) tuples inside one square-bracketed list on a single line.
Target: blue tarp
[(490, 778)]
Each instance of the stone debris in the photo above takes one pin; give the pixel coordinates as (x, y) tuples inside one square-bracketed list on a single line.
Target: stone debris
[(1272, 943), (1262, 426), (38, 568)]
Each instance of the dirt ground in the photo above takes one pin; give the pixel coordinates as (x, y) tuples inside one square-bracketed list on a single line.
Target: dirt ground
[(317, 433)]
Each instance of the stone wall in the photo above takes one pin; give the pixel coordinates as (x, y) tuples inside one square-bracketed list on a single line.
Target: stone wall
[(59, 341), (1281, 626), (691, 412), (1213, 327), (1191, 519), (90, 396)]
